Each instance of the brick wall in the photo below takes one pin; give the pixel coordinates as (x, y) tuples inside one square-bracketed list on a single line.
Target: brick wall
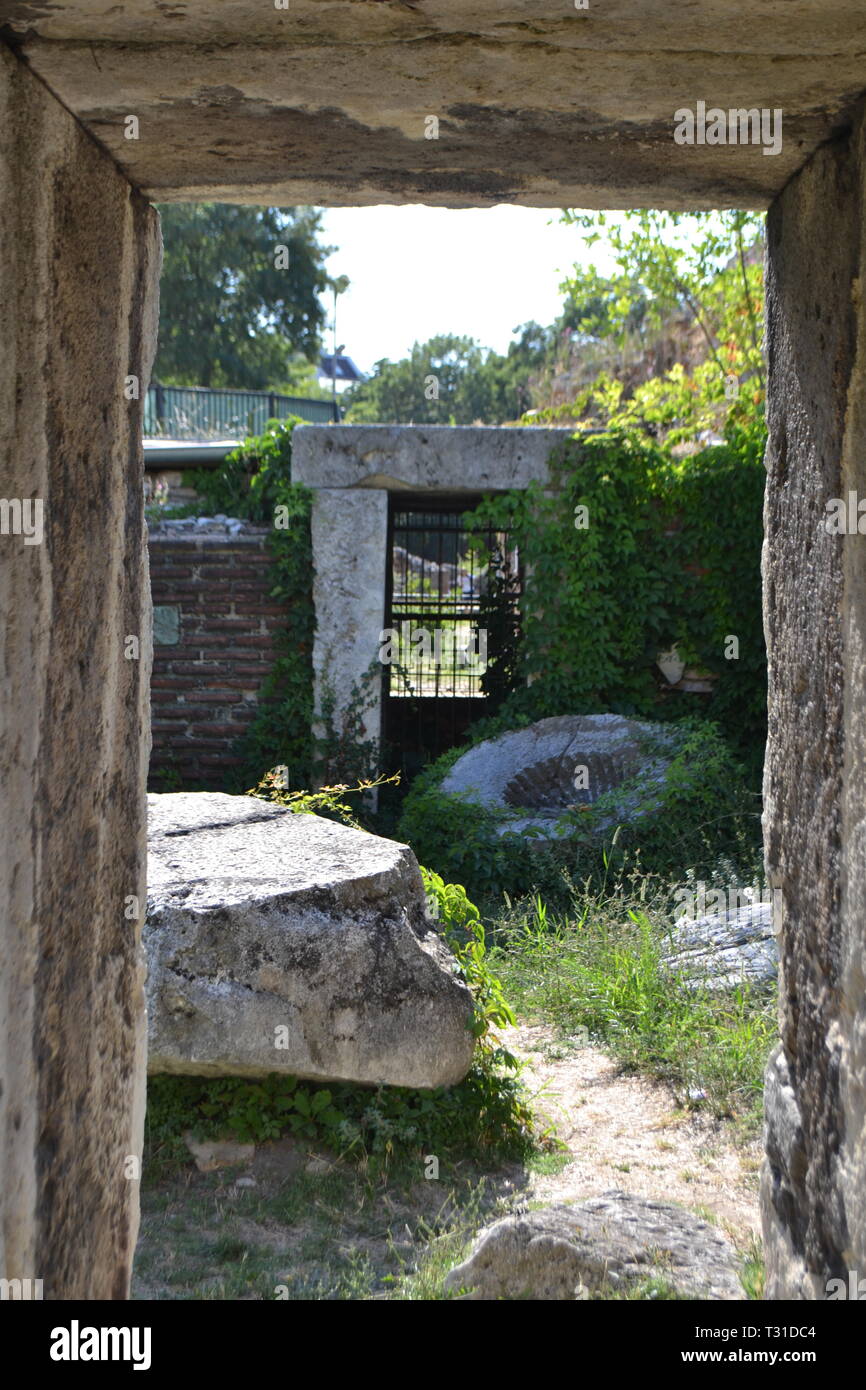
[(214, 628)]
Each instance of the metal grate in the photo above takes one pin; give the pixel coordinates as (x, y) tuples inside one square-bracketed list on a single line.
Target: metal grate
[(435, 649)]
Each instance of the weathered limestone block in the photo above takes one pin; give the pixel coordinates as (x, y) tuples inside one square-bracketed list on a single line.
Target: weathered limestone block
[(287, 943), (609, 1242), (209, 82), (725, 949), (425, 458), (349, 533), (813, 1189), (79, 265)]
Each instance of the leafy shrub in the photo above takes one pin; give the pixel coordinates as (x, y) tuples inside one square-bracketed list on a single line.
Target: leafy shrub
[(460, 838), (464, 931), (327, 801), (482, 1118), (703, 811), (253, 479), (700, 812)]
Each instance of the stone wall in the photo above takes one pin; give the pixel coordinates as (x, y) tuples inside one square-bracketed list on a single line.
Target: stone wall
[(214, 645), (79, 265), (813, 1190)]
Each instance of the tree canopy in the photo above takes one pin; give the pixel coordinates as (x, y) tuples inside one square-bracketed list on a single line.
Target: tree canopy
[(702, 271), (669, 342), (451, 380), (239, 295)]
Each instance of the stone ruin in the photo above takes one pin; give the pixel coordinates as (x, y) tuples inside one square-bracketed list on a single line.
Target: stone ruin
[(79, 270), (282, 943), (557, 765)]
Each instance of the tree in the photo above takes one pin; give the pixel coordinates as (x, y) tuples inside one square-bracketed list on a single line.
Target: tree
[(239, 294), (702, 268), (451, 379)]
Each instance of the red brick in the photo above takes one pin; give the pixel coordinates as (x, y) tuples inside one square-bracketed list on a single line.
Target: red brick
[(255, 671), (214, 697), (204, 689), (186, 589), (217, 593), (204, 669), (164, 573), (195, 709), (274, 610), (160, 683), (259, 643), (217, 574), (200, 624), (176, 743), (218, 731)]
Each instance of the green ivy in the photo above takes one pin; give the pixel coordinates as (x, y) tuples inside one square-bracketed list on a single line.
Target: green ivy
[(464, 931), (486, 1117), (671, 555), (700, 812)]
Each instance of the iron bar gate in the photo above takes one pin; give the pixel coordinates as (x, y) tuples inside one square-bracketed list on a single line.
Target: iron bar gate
[(440, 579)]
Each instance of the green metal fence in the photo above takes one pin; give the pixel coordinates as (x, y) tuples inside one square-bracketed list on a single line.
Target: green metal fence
[(199, 412)]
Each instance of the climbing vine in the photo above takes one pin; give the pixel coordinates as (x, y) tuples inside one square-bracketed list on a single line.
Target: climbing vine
[(631, 553)]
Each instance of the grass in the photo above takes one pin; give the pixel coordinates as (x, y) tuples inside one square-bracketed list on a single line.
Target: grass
[(346, 1235), (365, 1224), (342, 1236), (753, 1276), (598, 968)]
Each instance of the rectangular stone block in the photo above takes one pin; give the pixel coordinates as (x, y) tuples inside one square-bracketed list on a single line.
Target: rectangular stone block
[(79, 267)]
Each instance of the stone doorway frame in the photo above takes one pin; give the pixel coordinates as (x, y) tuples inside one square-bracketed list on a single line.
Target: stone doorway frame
[(79, 263), (352, 470)]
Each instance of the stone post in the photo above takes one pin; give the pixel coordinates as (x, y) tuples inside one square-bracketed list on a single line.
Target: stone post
[(79, 265), (349, 533), (814, 1177)]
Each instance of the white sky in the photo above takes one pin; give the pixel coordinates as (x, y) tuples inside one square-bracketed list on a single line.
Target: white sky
[(418, 271)]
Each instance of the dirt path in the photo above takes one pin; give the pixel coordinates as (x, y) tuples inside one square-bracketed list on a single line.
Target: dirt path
[(626, 1132), (308, 1222)]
